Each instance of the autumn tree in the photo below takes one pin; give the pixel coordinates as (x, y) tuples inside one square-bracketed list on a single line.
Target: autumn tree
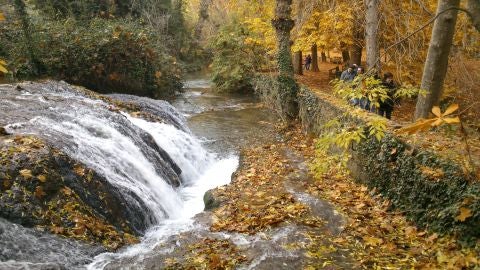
[(358, 34), (473, 9), (283, 25), (371, 34), (202, 18), (436, 63), (314, 50), (21, 11)]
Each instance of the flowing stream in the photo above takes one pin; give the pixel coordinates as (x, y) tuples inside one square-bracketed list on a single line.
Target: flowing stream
[(221, 124), (163, 182)]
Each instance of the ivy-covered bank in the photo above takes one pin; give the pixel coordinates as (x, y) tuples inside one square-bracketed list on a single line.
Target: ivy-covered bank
[(431, 190)]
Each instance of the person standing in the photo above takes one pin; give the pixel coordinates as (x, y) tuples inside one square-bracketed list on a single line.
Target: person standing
[(308, 62), (364, 101), (386, 106), (349, 74)]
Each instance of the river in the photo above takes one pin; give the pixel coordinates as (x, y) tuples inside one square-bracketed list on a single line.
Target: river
[(224, 123), (203, 135)]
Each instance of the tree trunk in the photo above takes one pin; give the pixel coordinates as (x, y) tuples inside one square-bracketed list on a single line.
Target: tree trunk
[(371, 35), (283, 25), (202, 18), (324, 57), (20, 10), (356, 54), (358, 41), (315, 58), (298, 63), (473, 8), (345, 53), (436, 63), (345, 56)]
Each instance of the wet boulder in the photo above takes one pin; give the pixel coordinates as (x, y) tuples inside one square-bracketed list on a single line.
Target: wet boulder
[(42, 187)]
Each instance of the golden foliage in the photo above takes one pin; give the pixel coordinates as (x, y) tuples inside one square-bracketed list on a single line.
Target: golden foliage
[(3, 66), (426, 124)]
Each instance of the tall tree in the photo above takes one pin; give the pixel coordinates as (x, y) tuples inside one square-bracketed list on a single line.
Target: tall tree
[(20, 10), (283, 25), (298, 63), (436, 64), (371, 34), (473, 8), (202, 18), (358, 39), (315, 58)]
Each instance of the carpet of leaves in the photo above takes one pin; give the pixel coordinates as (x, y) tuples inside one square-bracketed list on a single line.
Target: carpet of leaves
[(208, 254), (257, 199), (382, 239), (374, 236)]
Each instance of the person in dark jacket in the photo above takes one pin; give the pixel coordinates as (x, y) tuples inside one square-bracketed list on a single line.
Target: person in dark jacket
[(349, 74), (386, 106), (308, 62)]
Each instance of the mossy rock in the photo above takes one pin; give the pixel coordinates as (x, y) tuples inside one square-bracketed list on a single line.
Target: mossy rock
[(42, 187)]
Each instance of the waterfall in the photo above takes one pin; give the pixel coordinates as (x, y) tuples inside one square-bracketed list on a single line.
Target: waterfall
[(159, 169), (151, 164)]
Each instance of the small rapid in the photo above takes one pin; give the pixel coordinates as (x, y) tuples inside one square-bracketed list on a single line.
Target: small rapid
[(157, 168), (161, 170)]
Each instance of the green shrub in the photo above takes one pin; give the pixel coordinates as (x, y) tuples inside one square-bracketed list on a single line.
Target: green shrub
[(103, 55), (236, 58)]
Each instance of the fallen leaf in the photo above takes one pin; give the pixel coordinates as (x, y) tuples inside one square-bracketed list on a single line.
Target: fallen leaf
[(27, 174), (464, 214), (39, 193), (66, 191), (372, 241), (79, 170), (56, 229), (42, 178)]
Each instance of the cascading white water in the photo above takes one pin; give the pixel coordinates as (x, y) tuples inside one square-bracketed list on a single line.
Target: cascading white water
[(118, 147), (185, 150), (97, 143), (201, 171)]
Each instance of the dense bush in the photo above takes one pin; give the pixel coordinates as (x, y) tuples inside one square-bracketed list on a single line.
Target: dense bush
[(103, 55), (236, 58)]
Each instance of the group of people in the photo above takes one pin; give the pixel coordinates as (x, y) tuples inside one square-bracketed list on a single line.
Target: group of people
[(386, 107), (308, 62)]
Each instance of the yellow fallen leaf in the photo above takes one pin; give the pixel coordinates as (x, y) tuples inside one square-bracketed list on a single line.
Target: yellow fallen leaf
[(451, 109), (3, 69), (39, 193), (79, 170), (42, 178), (26, 173), (464, 214), (452, 120), (66, 191), (372, 241), (436, 111)]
